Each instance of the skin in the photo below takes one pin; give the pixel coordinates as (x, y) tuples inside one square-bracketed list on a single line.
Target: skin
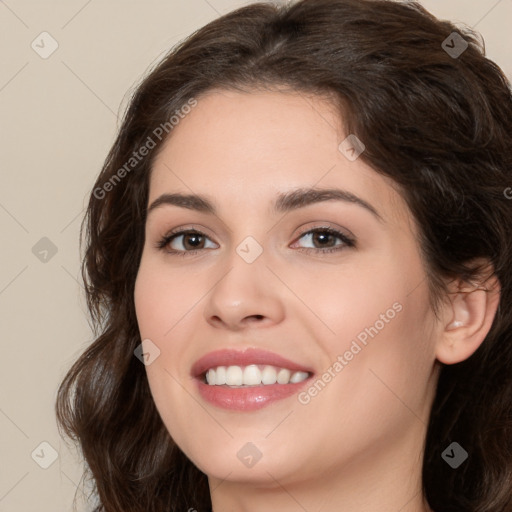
[(358, 444)]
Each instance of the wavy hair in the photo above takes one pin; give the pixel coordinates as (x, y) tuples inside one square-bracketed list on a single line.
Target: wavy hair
[(438, 125)]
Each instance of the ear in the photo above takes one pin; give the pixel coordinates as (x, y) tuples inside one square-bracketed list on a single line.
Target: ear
[(467, 318)]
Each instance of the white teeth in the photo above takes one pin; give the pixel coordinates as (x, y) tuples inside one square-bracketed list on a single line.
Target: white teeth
[(220, 375), (298, 377), (234, 376), (210, 376), (252, 375), (269, 375), (283, 377)]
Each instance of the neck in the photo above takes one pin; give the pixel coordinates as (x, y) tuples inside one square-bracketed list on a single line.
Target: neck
[(388, 480)]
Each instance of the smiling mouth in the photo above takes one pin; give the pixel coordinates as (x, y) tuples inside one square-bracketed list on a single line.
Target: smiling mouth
[(252, 375)]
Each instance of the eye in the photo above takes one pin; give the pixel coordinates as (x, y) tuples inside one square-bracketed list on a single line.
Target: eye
[(184, 241), (191, 241), (327, 240)]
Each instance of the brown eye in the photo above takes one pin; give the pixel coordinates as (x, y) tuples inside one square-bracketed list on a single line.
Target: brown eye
[(323, 239), (193, 241), (184, 241), (326, 240)]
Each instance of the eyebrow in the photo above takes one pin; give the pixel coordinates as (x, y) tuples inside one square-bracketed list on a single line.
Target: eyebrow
[(284, 203)]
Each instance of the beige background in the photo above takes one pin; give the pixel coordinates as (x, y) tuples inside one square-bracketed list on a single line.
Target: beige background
[(58, 120)]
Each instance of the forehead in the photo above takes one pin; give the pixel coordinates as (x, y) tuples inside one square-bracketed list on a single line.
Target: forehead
[(248, 147)]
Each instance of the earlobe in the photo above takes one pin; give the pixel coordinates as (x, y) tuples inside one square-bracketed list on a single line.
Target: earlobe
[(471, 313)]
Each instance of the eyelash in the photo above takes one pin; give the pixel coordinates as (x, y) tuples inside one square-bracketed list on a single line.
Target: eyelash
[(347, 241)]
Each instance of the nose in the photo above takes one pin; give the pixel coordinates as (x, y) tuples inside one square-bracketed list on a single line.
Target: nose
[(248, 295)]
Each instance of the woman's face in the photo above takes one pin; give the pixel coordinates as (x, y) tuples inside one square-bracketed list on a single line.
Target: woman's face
[(346, 309)]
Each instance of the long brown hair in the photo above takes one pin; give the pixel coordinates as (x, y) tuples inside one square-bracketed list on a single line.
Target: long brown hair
[(437, 123)]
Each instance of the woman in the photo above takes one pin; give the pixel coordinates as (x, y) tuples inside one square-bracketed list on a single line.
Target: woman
[(299, 267)]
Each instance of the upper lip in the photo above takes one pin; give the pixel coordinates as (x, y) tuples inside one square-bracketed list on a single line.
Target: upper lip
[(237, 357)]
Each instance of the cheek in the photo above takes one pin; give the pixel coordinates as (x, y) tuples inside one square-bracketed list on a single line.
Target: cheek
[(388, 354), (377, 316), (163, 298), (161, 304), (344, 301), (377, 374)]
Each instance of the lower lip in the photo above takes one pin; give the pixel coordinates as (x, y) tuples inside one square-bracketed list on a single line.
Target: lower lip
[(248, 398)]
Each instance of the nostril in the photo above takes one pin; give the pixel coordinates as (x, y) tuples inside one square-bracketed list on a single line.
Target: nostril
[(254, 318)]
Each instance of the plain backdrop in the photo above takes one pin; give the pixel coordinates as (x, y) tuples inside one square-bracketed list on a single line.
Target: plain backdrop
[(59, 116)]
